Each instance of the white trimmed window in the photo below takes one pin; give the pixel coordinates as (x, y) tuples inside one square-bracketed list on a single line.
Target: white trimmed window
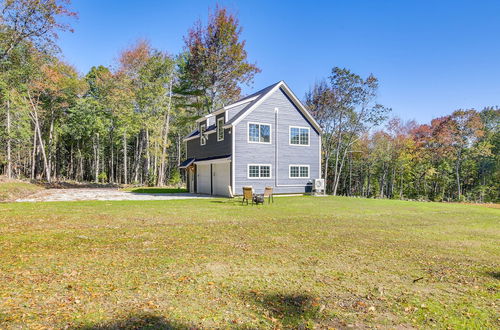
[(299, 171), (259, 171), (299, 136), (203, 138), (220, 129), (259, 133)]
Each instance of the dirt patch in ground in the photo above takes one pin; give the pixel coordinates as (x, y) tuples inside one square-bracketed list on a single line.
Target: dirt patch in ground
[(11, 189), (101, 194)]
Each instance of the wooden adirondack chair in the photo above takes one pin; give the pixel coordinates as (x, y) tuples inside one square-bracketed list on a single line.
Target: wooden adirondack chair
[(268, 192), (247, 195)]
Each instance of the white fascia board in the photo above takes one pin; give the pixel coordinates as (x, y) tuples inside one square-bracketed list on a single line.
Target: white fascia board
[(204, 118), (239, 103), (214, 161), (215, 113), (191, 137)]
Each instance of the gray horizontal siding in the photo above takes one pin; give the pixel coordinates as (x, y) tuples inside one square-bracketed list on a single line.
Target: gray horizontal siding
[(255, 153), (235, 110)]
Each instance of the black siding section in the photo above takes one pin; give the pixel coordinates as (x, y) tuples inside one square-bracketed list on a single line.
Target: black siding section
[(213, 147)]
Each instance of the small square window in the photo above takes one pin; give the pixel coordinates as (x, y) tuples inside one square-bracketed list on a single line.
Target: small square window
[(253, 171)]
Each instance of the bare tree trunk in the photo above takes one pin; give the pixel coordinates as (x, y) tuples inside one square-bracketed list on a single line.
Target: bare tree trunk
[(155, 158), (71, 164), (457, 173), (350, 176), (178, 149), (166, 129), (40, 140), (125, 181), (112, 163), (96, 154), (148, 156), (80, 164), (339, 172), (9, 141), (137, 158), (33, 156), (401, 187), (336, 170), (51, 141)]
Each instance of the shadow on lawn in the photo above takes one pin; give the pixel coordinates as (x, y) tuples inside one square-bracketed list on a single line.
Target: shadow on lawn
[(158, 190), (495, 275), (238, 202), (139, 321), (291, 310)]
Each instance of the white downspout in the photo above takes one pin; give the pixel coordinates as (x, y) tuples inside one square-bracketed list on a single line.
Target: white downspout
[(276, 166)]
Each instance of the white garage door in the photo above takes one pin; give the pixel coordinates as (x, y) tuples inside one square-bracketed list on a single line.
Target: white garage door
[(203, 179), (221, 178)]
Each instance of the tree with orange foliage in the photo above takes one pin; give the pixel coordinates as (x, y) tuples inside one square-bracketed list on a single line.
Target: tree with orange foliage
[(216, 61)]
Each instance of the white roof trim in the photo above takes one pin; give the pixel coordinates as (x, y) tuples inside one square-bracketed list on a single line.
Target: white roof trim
[(191, 137), (232, 105), (240, 103), (211, 161), (289, 92)]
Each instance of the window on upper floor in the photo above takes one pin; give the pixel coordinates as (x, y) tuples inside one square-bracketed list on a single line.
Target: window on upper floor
[(203, 138), (299, 136), (220, 129), (299, 171), (259, 133)]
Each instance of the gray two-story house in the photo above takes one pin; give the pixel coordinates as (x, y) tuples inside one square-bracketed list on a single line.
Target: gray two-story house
[(265, 139)]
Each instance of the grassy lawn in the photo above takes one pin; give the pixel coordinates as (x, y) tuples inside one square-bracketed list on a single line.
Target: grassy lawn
[(315, 262)]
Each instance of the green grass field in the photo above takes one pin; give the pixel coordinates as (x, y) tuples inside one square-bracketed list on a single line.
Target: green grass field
[(304, 261)]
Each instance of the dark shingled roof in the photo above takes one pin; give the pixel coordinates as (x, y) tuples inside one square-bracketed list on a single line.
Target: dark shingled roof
[(186, 163), (189, 161), (260, 94)]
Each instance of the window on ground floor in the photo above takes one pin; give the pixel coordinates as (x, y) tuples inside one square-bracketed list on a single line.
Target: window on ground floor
[(258, 171), (299, 171)]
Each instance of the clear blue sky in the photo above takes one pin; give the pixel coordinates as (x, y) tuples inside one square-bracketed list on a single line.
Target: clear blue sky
[(431, 57)]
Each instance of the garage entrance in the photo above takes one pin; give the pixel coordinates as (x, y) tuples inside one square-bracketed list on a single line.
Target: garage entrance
[(203, 179), (221, 178)]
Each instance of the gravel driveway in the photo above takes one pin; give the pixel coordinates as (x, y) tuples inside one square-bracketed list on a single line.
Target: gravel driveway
[(102, 194)]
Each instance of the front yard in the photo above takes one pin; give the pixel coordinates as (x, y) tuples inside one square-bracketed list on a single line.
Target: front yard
[(324, 262)]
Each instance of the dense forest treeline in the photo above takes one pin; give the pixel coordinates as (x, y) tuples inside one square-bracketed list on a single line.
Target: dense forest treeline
[(125, 123)]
